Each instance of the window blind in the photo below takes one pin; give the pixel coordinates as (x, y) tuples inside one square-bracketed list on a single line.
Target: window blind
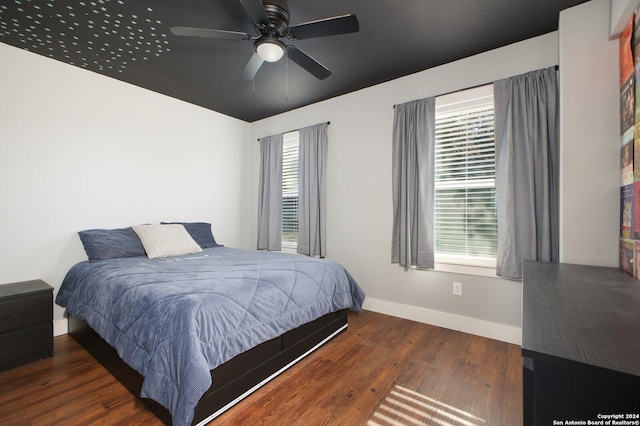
[(290, 190), (465, 205)]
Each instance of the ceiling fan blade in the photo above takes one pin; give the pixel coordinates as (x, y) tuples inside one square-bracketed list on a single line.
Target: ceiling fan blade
[(325, 27), (249, 71), (308, 63), (255, 10), (204, 32)]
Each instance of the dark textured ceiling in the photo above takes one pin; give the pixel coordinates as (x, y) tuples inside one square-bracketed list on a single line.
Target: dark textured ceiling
[(130, 40)]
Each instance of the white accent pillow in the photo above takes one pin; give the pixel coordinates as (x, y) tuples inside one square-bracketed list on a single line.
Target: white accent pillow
[(166, 240)]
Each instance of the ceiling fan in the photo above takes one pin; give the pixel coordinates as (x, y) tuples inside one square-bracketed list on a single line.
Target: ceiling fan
[(272, 23)]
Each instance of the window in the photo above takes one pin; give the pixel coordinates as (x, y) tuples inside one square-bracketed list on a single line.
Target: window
[(290, 190), (465, 192)]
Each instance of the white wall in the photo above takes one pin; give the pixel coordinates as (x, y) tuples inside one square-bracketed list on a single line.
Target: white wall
[(79, 150), (359, 176), (590, 136), (359, 193), (620, 13)]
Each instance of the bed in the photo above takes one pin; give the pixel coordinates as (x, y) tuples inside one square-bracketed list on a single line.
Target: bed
[(192, 333)]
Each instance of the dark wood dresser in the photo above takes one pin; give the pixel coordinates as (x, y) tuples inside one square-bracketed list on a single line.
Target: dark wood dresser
[(580, 344), (26, 322)]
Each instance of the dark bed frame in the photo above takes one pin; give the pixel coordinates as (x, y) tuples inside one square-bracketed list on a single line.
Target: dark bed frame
[(231, 381)]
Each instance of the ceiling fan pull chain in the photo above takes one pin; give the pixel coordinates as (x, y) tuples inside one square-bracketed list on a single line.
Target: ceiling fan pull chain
[(287, 73)]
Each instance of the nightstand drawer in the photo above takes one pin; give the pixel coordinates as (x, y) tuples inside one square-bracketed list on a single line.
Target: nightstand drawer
[(26, 345), (25, 311), (26, 322)]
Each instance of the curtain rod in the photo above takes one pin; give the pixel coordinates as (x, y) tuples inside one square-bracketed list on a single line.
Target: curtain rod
[(295, 130), (473, 87)]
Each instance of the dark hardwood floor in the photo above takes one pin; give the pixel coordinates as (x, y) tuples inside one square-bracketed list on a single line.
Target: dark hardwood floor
[(381, 371)]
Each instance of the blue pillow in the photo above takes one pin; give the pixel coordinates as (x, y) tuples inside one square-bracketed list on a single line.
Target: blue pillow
[(199, 231), (101, 244)]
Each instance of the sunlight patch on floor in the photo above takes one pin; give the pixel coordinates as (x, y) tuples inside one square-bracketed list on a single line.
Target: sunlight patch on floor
[(404, 407)]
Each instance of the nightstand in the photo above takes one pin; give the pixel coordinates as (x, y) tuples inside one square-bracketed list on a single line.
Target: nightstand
[(26, 323)]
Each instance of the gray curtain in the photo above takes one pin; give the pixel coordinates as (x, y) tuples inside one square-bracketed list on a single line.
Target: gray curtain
[(312, 160), (413, 184), (526, 187), (270, 194)]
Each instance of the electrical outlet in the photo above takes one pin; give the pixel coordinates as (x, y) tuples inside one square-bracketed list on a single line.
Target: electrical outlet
[(457, 289)]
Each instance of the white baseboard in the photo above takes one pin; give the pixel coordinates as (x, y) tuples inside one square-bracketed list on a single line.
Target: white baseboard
[(60, 327), (492, 330)]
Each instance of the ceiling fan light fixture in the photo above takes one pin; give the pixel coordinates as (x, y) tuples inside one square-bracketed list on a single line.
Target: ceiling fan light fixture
[(270, 49)]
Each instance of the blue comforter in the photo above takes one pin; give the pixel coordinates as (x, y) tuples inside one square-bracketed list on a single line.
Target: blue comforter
[(174, 319)]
